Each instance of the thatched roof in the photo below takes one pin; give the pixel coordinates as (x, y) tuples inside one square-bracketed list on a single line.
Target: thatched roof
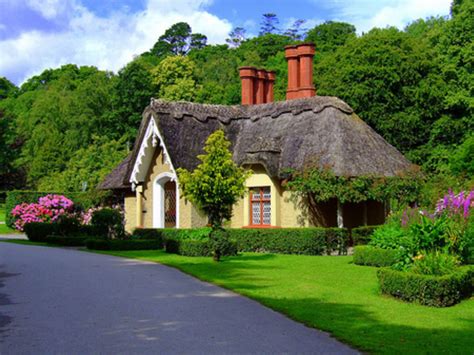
[(319, 130)]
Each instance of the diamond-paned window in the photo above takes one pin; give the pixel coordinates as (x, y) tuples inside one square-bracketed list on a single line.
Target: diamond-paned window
[(260, 206)]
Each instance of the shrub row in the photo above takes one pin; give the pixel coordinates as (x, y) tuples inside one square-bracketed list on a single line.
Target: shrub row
[(38, 231), (437, 291), (309, 241), (122, 244), (67, 241), (362, 235), (148, 234), (81, 199), (373, 256)]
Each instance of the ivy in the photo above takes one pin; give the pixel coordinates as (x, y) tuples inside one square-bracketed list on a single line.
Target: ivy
[(323, 185)]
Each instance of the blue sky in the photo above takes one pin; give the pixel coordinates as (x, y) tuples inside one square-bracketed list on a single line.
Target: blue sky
[(40, 34)]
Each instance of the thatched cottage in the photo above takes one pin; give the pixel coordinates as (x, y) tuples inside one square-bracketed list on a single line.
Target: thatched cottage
[(267, 137)]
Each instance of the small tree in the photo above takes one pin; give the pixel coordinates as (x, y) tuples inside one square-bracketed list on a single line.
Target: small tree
[(217, 183)]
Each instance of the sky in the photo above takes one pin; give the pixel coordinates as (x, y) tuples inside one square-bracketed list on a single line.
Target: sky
[(39, 34)]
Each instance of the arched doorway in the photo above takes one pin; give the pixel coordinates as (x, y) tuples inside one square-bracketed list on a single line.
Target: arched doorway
[(165, 201)]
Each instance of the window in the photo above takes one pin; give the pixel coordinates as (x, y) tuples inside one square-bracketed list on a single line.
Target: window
[(260, 206)]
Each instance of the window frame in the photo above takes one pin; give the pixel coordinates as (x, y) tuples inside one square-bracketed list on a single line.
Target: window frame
[(261, 201)]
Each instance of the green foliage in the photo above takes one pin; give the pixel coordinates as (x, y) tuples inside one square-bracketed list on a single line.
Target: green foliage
[(174, 79), (220, 243), (437, 291), (122, 244), (362, 235), (330, 35), (373, 256), (217, 183), (188, 247), (108, 223), (37, 232), (82, 200), (323, 185), (435, 263), (146, 233), (7, 88), (309, 241), (87, 167)]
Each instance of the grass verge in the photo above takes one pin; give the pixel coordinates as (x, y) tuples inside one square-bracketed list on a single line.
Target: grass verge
[(333, 294)]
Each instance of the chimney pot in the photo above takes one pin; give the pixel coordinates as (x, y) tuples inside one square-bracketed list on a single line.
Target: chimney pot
[(248, 76), (306, 53), (269, 86), (292, 57), (260, 87)]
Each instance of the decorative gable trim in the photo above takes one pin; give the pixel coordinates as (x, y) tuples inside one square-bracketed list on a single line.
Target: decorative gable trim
[(151, 139)]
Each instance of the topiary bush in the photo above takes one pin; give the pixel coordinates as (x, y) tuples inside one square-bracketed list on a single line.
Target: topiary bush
[(362, 235), (437, 291), (220, 243), (122, 244), (108, 223), (373, 256), (38, 231)]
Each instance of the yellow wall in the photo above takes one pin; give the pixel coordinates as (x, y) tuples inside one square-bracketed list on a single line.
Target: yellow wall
[(286, 210)]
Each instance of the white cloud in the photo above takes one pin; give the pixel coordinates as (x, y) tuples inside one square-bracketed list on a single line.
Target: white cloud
[(50, 9), (366, 14), (108, 43)]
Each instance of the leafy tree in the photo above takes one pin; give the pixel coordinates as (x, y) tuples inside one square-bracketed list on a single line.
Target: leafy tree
[(217, 183), (178, 40), (330, 35), (269, 24), (132, 92), (7, 88), (87, 167), (175, 79), (236, 37)]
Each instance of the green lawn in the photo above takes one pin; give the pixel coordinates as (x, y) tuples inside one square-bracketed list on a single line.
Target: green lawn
[(332, 294), (3, 228)]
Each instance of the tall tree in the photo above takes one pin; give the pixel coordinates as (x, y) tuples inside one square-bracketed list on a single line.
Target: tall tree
[(178, 40), (330, 35), (296, 32), (269, 24), (236, 37)]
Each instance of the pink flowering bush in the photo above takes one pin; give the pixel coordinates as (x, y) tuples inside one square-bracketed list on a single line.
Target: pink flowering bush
[(48, 209)]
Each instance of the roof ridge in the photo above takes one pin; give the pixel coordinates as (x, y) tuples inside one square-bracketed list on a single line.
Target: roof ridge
[(227, 113)]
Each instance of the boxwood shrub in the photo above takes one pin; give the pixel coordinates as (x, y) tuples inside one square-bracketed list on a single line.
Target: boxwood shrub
[(38, 231), (362, 235), (188, 247), (373, 256), (437, 291), (309, 241), (122, 244), (66, 241)]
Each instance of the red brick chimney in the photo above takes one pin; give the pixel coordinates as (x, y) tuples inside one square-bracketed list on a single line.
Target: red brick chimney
[(257, 85), (300, 71), (247, 77)]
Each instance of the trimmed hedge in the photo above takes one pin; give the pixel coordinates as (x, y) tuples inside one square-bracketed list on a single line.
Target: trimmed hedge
[(309, 241), (122, 244), (82, 199), (66, 241), (188, 247), (148, 233), (437, 291), (37, 231), (373, 256), (362, 235)]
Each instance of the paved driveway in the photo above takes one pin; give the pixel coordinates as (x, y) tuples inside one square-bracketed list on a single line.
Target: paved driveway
[(67, 301)]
